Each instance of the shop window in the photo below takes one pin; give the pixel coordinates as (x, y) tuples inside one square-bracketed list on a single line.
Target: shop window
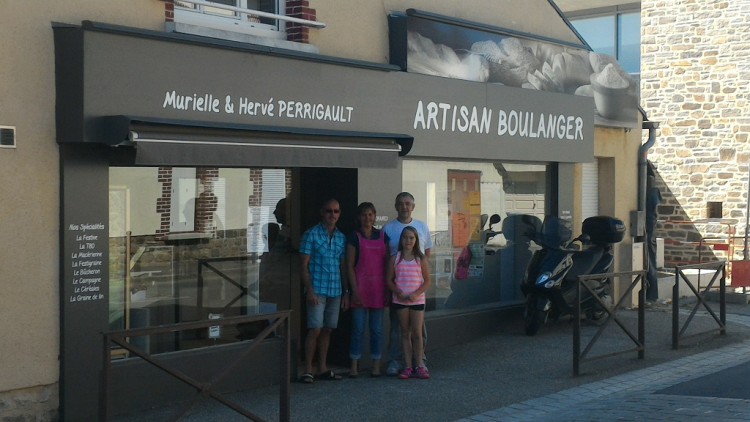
[(187, 243), (232, 16), (473, 209)]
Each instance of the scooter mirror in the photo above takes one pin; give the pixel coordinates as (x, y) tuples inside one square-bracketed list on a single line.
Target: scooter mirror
[(494, 219)]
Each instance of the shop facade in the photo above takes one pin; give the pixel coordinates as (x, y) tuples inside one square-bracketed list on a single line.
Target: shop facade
[(190, 167)]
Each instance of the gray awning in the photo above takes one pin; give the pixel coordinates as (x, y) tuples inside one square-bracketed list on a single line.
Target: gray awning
[(210, 144)]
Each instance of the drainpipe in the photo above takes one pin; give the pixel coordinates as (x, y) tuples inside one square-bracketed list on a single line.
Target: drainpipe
[(642, 163), (642, 185)]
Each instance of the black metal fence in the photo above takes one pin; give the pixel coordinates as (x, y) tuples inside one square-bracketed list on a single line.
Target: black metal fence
[(278, 324), (637, 278), (718, 271)]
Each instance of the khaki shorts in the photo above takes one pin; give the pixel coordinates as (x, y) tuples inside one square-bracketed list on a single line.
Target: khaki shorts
[(325, 314)]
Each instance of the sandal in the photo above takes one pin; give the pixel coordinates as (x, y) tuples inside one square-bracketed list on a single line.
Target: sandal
[(328, 376), (307, 379)]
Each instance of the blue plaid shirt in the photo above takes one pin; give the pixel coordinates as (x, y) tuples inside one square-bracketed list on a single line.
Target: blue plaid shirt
[(326, 255)]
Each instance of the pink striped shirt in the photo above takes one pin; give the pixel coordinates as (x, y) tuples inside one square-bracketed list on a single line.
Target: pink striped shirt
[(408, 279)]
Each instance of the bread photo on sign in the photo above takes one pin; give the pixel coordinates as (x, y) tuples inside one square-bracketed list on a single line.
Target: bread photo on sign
[(561, 72), (429, 58), (611, 88), (510, 61)]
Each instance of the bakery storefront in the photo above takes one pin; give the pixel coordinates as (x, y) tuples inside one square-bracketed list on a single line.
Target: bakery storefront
[(190, 168)]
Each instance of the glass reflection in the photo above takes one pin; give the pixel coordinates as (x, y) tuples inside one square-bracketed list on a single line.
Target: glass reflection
[(473, 210), (188, 244), (629, 42)]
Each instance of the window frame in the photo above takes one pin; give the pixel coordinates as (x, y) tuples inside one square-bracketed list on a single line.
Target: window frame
[(615, 12), (236, 23)]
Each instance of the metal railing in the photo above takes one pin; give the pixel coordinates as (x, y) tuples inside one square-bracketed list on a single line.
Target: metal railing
[(732, 248), (719, 269), (638, 277), (723, 242), (247, 13), (277, 320)]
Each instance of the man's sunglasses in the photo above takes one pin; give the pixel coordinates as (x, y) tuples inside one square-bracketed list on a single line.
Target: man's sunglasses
[(332, 211)]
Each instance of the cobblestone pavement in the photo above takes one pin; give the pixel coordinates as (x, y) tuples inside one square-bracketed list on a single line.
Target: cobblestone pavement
[(634, 396)]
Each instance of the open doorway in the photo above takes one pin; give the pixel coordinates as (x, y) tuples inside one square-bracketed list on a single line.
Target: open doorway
[(316, 186)]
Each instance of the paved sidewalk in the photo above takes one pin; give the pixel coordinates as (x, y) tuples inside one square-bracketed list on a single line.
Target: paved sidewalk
[(637, 395), (524, 379)]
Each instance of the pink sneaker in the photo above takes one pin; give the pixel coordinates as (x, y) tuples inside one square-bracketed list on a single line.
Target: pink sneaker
[(406, 374), (423, 373)]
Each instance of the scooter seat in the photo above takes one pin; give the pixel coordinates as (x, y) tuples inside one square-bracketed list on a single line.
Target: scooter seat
[(583, 262)]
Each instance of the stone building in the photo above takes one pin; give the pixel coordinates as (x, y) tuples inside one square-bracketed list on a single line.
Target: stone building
[(692, 64), (694, 67)]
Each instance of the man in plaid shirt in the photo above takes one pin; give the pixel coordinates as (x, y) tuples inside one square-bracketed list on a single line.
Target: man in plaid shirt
[(323, 250)]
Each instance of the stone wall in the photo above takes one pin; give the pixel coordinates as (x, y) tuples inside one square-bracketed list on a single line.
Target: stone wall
[(694, 70), (37, 404)]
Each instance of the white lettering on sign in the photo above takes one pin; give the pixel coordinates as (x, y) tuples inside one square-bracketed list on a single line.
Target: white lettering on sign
[(86, 261), (446, 117), (538, 125), (254, 108), (312, 111), (270, 107), (204, 102)]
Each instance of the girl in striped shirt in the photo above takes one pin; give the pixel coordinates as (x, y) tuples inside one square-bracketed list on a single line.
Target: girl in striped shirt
[(408, 279)]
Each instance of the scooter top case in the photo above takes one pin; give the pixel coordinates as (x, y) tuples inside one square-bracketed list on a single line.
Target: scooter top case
[(603, 229)]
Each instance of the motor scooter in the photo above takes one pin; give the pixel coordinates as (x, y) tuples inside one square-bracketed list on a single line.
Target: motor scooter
[(549, 284)]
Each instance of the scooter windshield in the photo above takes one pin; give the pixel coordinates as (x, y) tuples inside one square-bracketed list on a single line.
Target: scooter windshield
[(556, 232)]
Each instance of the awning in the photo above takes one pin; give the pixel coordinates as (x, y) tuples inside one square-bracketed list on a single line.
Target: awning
[(187, 143)]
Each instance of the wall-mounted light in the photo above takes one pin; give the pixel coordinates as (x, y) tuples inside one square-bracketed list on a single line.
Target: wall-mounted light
[(7, 136)]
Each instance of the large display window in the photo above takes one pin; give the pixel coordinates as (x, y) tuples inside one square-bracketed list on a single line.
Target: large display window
[(473, 208), (193, 243)]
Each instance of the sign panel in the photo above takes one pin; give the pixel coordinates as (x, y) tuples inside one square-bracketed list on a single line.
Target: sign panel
[(447, 117)]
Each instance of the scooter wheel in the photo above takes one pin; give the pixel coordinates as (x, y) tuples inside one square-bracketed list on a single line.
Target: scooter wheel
[(598, 313), (533, 318)]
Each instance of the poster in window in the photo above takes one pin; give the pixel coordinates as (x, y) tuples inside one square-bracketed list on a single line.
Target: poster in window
[(460, 226), (465, 201)]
